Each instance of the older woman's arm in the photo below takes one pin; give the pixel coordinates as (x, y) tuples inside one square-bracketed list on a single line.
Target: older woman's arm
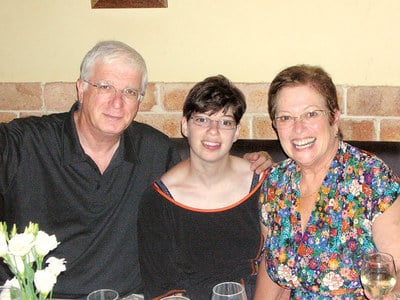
[(386, 234), (266, 289)]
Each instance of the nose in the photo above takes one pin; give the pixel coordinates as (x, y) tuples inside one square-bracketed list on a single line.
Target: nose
[(298, 119), (117, 99), (214, 125), (298, 124)]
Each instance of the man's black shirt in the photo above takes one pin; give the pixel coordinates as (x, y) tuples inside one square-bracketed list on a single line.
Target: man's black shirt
[(46, 178)]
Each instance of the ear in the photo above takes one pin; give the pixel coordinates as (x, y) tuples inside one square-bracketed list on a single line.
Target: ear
[(79, 89), (237, 132), (336, 120), (184, 127)]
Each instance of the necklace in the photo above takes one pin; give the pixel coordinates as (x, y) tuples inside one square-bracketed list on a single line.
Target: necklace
[(307, 195)]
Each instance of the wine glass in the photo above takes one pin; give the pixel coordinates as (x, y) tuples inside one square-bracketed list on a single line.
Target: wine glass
[(175, 297), (103, 294), (378, 274), (9, 293), (228, 291)]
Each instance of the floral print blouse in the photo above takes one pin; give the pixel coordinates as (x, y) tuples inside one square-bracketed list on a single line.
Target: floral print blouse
[(324, 261)]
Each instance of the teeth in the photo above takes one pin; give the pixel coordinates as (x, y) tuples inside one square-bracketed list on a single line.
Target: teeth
[(210, 144), (304, 143)]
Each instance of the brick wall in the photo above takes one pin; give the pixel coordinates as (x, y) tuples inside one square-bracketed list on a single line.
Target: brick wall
[(368, 112)]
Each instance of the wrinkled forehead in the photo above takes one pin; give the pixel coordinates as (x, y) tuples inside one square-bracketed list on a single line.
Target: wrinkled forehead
[(116, 72), (117, 62), (299, 95)]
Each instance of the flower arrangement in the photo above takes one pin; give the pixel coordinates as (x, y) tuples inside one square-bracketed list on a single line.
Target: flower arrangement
[(24, 254)]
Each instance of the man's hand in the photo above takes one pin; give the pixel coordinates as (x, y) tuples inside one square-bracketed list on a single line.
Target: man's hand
[(260, 161)]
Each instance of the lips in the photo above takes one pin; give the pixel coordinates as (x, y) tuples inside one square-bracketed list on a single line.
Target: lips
[(211, 145), (304, 143), (112, 117)]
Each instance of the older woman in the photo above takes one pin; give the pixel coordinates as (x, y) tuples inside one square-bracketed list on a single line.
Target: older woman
[(328, 204)]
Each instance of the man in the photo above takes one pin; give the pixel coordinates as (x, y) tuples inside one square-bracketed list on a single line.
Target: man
[(80, 174)]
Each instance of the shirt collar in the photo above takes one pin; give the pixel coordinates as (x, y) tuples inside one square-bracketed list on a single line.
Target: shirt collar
[(73, 151)]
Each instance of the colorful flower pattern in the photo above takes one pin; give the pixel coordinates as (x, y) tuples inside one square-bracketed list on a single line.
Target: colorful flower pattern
[(324, 261)]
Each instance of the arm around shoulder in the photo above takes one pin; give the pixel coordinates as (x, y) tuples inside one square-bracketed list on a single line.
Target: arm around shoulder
[(260, 161)]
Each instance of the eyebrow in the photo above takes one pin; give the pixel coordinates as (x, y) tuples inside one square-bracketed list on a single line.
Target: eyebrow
[(113, 84), (308, 109)]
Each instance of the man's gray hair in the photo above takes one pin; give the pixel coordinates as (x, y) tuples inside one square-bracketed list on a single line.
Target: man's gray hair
[(108, 51)]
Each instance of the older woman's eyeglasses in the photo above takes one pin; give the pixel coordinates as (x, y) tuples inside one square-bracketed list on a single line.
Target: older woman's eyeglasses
[(108, 90), (308, 117), (221, 124)]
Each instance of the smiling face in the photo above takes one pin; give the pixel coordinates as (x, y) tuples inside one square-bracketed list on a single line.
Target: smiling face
[(103, 116), (210, 143), (311, 143)]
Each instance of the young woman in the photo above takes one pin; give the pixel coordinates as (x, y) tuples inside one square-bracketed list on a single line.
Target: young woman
[(198, 224)]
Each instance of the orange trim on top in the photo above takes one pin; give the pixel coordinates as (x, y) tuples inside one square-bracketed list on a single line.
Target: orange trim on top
[(253, 261), (170, 199)]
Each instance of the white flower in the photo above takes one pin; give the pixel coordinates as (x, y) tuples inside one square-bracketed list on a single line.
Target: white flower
[(18, 263), (24, 253), (44, 243), (21, 244), (3, 244), (44, 281), (56, 265)]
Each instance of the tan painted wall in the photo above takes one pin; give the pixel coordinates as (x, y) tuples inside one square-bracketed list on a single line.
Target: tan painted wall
[(357, 42)]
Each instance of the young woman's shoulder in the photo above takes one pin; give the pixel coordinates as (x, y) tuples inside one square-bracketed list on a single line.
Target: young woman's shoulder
[(240, 165), (176, 174)]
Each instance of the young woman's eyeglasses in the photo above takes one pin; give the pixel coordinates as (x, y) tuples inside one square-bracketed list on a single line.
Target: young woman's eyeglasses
[(308, 117), (221, 124), (108, 90)]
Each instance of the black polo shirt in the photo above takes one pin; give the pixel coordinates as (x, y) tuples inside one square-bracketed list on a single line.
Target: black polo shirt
[(46, 178)]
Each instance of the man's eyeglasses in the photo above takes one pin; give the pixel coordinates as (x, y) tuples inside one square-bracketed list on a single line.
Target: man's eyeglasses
[(308, 117), (108, 90), (202, 121)]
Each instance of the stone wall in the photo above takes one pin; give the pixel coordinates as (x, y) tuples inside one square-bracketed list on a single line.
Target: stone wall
[(369, 113)]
